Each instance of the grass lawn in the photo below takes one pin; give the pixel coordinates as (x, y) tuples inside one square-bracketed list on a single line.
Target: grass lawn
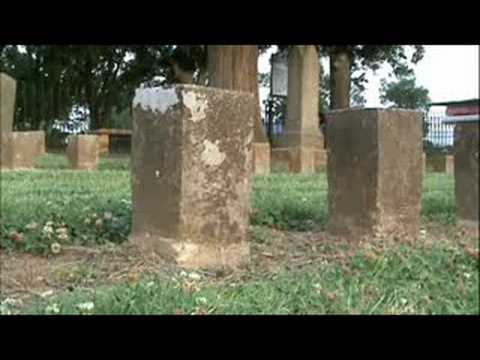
[(294, 270)]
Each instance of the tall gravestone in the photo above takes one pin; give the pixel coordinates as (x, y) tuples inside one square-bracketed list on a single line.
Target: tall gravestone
[(8, 88), (466, 145), (375, 172), (301, 140), (191, 169)]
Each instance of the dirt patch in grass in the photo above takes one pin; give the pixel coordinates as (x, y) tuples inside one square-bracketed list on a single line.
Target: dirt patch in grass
[(25, 277)]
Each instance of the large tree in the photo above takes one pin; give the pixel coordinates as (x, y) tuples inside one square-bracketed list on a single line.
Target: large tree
[(236, 68)]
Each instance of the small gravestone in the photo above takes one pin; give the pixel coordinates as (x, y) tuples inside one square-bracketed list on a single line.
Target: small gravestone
[(18, 150), (466, 175), (191, 169), (82, 152), (374, 173), (38, 138)]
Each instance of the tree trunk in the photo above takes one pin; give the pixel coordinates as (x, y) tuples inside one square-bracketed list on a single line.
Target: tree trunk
[(340, 65), (236, 68)]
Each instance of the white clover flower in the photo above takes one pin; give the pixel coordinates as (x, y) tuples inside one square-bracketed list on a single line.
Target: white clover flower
[(86, 307), (62, 230), (201, 300), (99, 223), (87, 221), (55, 248), (46, 293), (32, 226), (52, 309), (62, 237), (107, 215), (47, 229), (467, 275), (194, 276), (49, 223), (94, 216)]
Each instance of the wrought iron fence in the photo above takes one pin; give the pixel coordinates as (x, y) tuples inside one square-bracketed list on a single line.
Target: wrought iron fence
[(438, 135)]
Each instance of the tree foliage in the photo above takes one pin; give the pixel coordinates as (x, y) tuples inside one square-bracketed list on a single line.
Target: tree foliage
[(404, 93), (52, 79)]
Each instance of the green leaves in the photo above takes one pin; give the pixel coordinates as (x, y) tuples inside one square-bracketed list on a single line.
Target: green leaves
[(404, 93)]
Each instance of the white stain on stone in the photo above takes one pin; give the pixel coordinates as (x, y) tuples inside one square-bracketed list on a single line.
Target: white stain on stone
[(211, 154), (196, 104), (155, 99)]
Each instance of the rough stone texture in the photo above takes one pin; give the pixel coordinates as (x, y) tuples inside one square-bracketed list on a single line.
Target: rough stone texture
[(466, 175), (82, 152), (18, 150), (374, 173), (103, 144), (301, 133), (261, 158), (191, 169), (38, 137), (8, 88)]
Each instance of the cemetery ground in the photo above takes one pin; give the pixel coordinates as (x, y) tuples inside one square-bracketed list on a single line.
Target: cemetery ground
[(64, 250)]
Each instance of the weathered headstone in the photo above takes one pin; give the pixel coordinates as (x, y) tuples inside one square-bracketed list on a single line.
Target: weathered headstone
[(191, 169), (8, 88), (103, 144), (18, 150), (82, 152), (466, 175), (38, 138), (374, 173), (301, 136)]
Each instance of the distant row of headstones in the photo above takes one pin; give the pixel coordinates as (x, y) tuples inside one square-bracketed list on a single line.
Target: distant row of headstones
[(19, 149)]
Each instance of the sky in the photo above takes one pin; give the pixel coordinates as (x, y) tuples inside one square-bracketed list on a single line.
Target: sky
[(449, 72)]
